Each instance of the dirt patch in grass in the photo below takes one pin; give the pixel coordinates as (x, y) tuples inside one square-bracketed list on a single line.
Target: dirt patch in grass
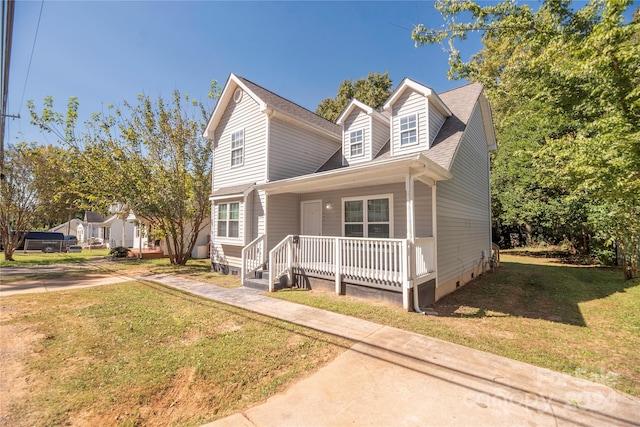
[(138, 353)]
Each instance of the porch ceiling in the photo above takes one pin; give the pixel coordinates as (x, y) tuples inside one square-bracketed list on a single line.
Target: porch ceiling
[(373, 173)]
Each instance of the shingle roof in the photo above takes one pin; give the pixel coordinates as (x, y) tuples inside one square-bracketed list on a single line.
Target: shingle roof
[(461, 102), (232, 190), (93, 217), (290, 108)]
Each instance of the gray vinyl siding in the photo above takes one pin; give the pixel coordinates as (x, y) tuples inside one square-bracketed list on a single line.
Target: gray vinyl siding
[(463, 205), (436, 120), (224, 250), (295, 150), (380, 135), (255, 215), (409, 102), (357, 120), (332, 218), (243, 115), (283, 217), (422, 206)]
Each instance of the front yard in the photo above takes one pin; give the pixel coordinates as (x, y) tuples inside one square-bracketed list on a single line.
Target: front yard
[(580, 320), (140, 353)]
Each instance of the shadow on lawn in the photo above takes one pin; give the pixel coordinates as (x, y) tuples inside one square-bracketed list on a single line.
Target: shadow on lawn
[(549, 292)]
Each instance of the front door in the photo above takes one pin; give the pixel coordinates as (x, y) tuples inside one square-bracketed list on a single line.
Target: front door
[(311, 221)]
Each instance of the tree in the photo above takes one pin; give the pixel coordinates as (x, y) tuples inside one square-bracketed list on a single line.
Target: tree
[(150, 156), (565, 91), (29, 184), (372, 90)]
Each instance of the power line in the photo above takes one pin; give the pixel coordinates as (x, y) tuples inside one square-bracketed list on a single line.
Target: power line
[(33, 48)]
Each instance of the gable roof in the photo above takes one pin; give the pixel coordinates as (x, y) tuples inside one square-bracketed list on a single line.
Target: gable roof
[(269, 102), (370, 111), (93, 217), (426, 91), (462, 102)]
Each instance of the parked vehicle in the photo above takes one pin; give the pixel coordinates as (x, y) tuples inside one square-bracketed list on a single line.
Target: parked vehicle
[(44, 241)]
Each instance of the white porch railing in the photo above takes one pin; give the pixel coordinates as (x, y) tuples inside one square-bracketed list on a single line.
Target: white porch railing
[(253, 257), (281, 262), (380, 263), (425, 249)]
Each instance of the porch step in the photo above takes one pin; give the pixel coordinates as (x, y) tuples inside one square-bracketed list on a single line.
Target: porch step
[(262, 284), (260, 281)]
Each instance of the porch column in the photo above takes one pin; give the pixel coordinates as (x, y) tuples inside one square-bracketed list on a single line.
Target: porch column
[(434, 232), (411, 238)]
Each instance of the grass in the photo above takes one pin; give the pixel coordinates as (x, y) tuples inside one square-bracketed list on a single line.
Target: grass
[(584, 321), (41, 258), (138, 353), (97, 261)]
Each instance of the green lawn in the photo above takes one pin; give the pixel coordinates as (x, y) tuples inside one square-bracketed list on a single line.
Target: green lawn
[(141, 354), (584, 321), (41, 258)]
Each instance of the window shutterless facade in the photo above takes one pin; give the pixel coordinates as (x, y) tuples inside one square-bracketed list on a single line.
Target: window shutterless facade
[(370, 216), (237, 148), (408, 130), (228, 220), (356, 139)]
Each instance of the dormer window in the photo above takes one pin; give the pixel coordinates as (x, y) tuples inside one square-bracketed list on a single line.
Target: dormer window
[(408, 130), (237, 148), (356, 143)]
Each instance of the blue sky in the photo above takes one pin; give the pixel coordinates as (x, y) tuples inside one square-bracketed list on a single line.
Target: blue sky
[(108, 52)]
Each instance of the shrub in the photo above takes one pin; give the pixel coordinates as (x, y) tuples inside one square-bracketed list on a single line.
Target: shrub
[(119, 252)]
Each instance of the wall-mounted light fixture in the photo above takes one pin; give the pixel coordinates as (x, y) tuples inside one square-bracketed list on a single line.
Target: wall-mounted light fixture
[(328, 206)]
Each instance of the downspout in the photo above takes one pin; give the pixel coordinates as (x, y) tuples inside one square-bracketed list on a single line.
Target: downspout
[(411, 192)]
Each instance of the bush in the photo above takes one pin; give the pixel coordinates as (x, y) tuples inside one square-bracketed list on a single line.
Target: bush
[(119, 252)]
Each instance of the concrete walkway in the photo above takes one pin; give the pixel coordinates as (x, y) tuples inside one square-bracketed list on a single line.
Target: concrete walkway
[(57, 277), (393, 377)]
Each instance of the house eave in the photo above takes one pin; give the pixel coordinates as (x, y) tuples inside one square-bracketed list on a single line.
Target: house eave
[(426, 91), (371, 173)]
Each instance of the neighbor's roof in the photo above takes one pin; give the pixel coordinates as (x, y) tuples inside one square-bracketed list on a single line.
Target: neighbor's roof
[(93, 217)]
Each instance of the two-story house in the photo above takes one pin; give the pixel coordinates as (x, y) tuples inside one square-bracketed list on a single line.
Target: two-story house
[(393, 204)]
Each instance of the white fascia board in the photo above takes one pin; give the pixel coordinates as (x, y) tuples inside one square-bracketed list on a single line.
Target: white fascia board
[(421, 89), (357, 175), (487, 119), (227, 95), (371, 112)]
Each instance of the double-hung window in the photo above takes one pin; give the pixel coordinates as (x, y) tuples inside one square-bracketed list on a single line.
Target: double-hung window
[(237, 148), (368, 217), (356, 143), (228, 220), (408, 130)]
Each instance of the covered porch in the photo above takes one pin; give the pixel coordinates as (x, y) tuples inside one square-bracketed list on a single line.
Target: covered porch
[(372, 226)]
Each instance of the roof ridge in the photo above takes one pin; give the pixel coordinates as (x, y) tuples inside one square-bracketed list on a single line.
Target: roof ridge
[(460, 87), (286, 99)]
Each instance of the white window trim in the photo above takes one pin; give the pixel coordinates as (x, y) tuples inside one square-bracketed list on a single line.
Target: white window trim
[(361, 143), (225, 239), (237, 148), (365, 221), (400, 131)]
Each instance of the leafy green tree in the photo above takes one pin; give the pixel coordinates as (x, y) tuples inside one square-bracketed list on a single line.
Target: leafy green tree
[(150, 156), (30, 183), (372, 90), (565, 90)]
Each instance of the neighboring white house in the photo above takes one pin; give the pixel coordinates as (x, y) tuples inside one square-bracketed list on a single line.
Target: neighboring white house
[(393, 203), (69, 228), (143, 238), (111, 231)]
